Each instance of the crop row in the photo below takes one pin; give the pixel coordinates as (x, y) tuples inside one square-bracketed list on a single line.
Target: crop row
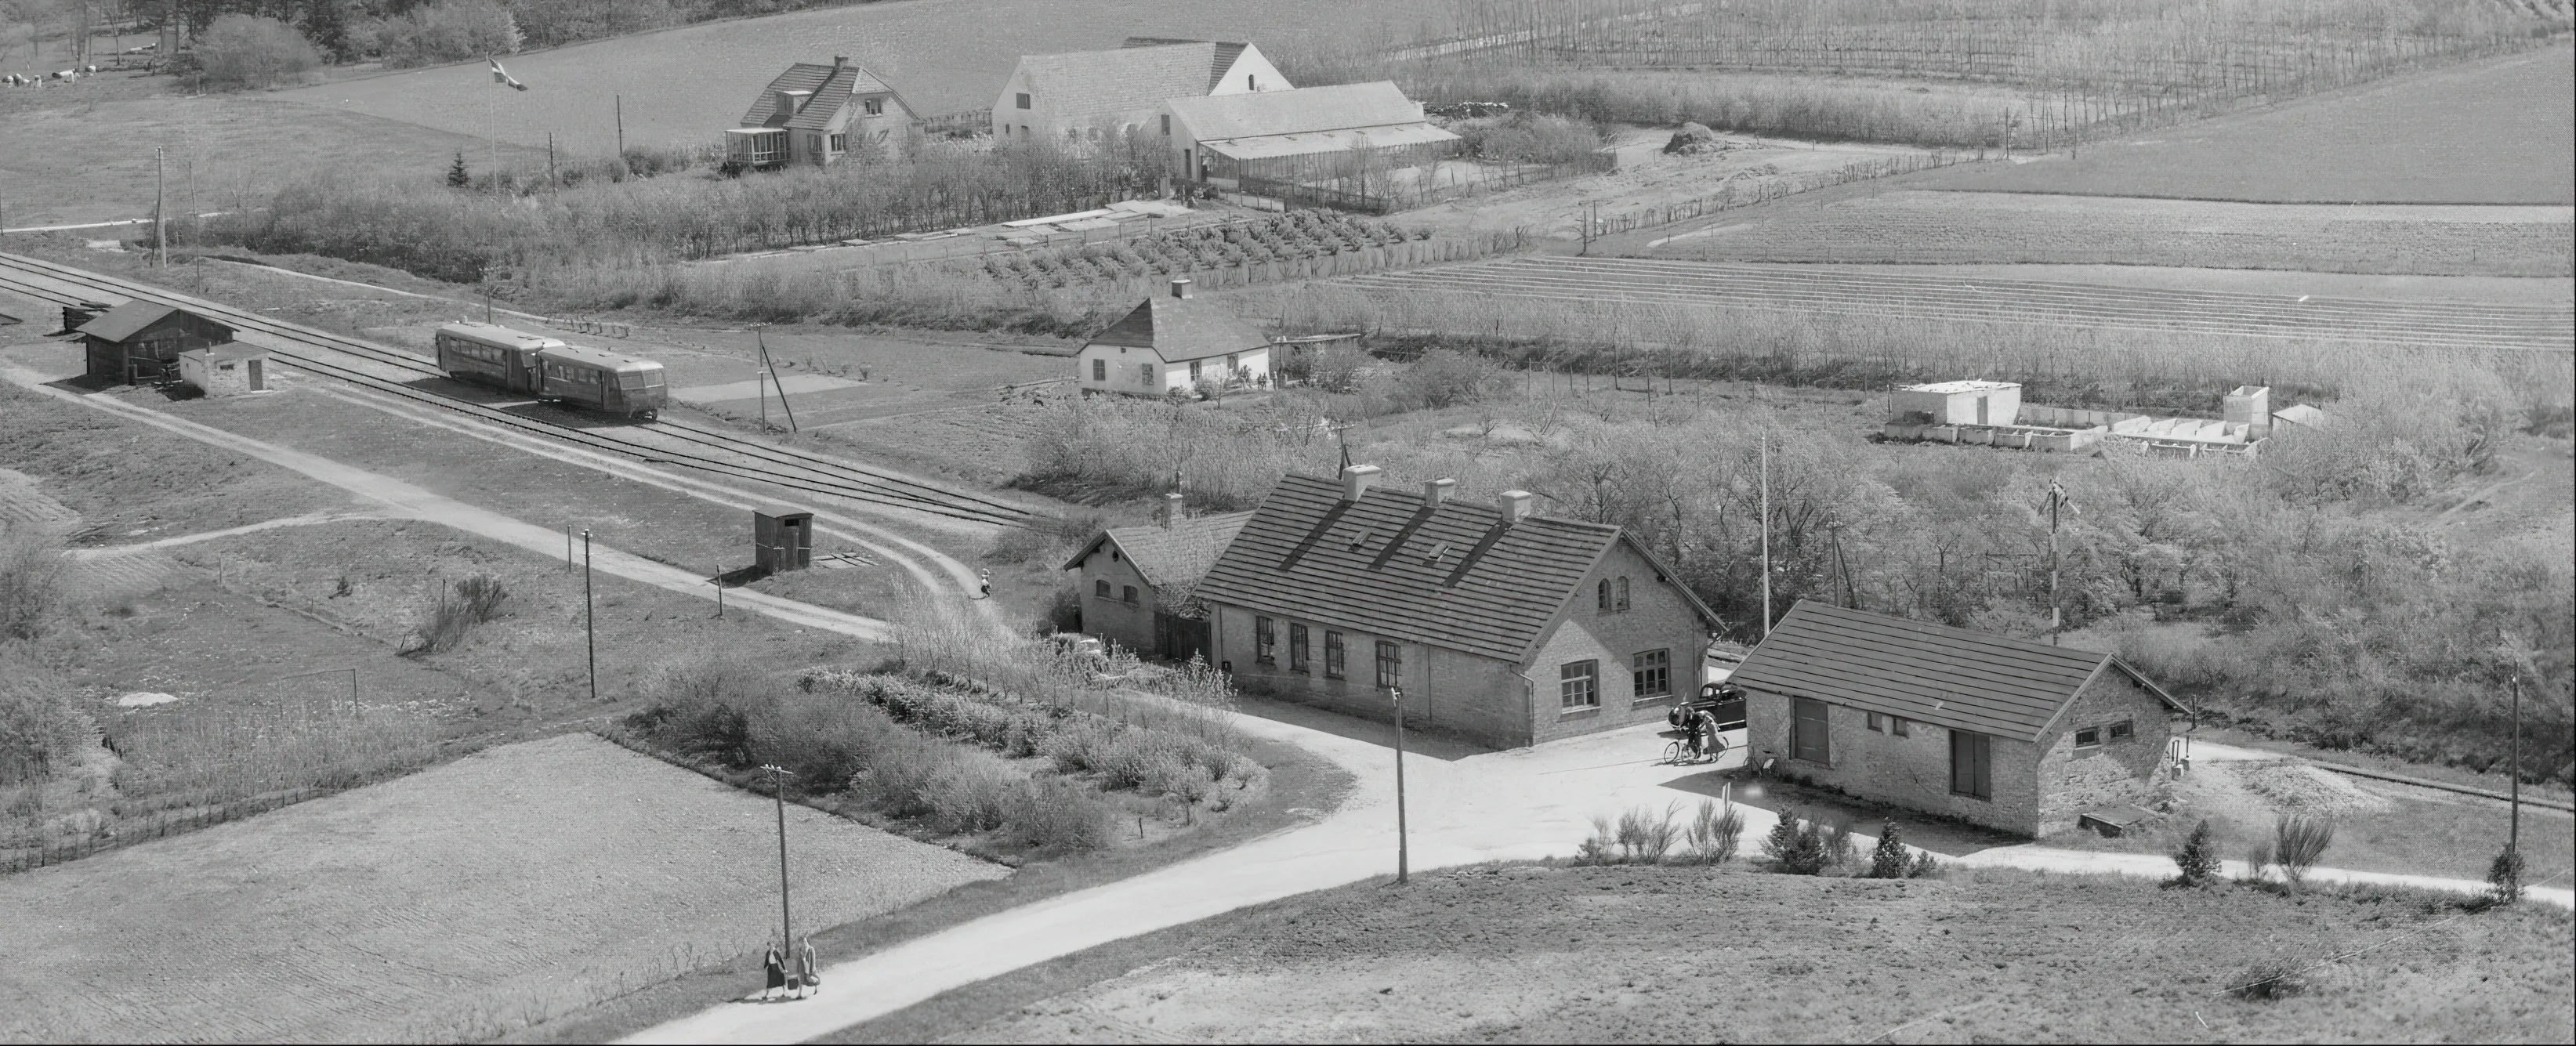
[(1292, 236)]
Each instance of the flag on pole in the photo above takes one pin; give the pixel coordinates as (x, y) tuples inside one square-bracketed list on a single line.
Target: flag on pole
[(502, 76)]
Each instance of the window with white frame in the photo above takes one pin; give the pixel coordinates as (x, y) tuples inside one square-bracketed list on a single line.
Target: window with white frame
[(1335, 655), (1100, 370), (1578, 685), (1652, 673)]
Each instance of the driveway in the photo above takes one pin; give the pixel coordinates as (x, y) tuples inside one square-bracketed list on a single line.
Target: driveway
[(1465, 807)]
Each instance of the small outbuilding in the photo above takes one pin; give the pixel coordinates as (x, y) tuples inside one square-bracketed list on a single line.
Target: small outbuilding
[(1138, 584), (2013, 734), (229, 369), (142, 339)]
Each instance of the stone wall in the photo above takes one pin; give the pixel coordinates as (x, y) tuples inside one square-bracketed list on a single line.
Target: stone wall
[(2135, 770)]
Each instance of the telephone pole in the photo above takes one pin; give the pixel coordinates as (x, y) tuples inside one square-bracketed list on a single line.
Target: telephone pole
[(1403, 858), (589, 630), (1766, 535), (778, 790), (160, 199), (2056, 613)]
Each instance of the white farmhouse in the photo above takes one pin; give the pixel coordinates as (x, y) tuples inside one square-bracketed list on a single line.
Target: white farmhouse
[(1097, 95), (1173, 344)]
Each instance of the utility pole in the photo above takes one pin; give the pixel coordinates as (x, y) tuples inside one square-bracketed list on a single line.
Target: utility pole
[(589, 631), (2513, 835), (2056, 613), (778, 790), (160, 219), (1766, 535), (1403, 859), (621, 129), (759, 369)]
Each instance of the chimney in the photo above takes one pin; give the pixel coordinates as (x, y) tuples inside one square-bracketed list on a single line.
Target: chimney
[(1180, 287), (1437, 491), (1356, 479), (1171, 508), (1515, 505)]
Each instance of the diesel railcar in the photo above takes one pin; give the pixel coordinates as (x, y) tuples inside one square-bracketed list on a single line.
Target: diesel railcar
[(601, 380), (490, 354)]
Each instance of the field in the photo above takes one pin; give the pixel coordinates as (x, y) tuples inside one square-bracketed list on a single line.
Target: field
[(1517, 953), (418, 909), (1946, 297), (2495, 132), (1930, 227), (684, 86)]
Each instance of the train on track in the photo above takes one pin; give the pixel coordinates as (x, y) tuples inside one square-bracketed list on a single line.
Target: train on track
[(548, 368)]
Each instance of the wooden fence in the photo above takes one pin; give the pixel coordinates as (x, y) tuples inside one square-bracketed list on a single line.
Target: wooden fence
[(1396, 192), (1765, 190)]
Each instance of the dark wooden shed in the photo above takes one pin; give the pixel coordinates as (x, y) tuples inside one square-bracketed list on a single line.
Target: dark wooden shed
[(142, 339), (782, 538)]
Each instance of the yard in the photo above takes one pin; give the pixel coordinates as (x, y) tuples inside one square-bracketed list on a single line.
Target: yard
[(1543, 953), (520, 882)]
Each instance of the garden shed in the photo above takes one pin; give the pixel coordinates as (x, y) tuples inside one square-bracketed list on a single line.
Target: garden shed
[(143, 339)]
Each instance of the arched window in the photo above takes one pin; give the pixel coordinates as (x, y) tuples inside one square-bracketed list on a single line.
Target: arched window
[(1601, 597), (1623, 595)]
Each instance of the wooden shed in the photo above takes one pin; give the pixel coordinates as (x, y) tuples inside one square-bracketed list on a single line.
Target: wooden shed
[(142, 339), (229, 369)]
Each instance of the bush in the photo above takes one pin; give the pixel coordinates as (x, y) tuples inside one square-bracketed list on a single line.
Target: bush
[(31, 582), (1925, 866), (452, 31), (2196, 864), (2264, 982), (242, 51), (902, 777), (41, 731), (1890, 860), (1798, 845), (2504, 877), (2298, 840), (1445, 378), (1837, 840), (472, 602), (973, 797), (1644, 837), (1048, 813), (1714, 833)]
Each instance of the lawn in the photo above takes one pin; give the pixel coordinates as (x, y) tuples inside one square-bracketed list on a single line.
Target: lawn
[(521, 881), (1522, 953), (683, 87), (2496, 131), (136, 483)]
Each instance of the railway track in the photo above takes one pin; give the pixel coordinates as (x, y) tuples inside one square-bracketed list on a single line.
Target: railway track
[(675, 443), (2461, 325)]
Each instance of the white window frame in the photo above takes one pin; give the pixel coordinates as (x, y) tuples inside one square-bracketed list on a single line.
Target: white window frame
[(1578, 686)]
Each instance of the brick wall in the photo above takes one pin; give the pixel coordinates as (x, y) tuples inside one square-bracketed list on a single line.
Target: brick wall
[(1658, 617), (1912, 771), (2136, 770), (1115, 620), (1478, 698)]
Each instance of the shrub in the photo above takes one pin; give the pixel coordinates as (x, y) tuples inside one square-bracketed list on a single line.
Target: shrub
[(41, 731), (1837, 841), (2298, 840), (1644, 837), (901, 777), (473, 601), (1445, 378), (1798, 845), (2504, 877), (242, 51), (31, 582), (972, 797), (452, 31), (1890, 860), (1714, 833), (2196, 863), (1048, 813), (1533, 138), (482, 596), (2264, 982), (1601, 846), (2258, 856), (1924, 866)]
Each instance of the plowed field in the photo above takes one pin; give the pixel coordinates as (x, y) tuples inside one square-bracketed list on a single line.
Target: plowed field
[(454, 903)]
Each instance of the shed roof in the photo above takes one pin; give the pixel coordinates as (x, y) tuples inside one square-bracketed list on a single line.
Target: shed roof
[(1304, 110), (1226, 52), (129, 319), (1271, 145), (1087, 83), (1179, 554), (1451, 575), (1950, 677), (832, 88), (1182, 329), (1967, 385)]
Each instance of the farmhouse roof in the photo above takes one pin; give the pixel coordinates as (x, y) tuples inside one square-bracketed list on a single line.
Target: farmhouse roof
[(1304, 110), (1226, 52), (1177, 555), (1950, 677), (1453, 575), (1182, 329), (832, 88), (1082, 83), (129, 319)]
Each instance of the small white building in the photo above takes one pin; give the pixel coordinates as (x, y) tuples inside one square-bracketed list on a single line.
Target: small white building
[(1175, 343), (1957, 403), (229, 369), (1090, 96)]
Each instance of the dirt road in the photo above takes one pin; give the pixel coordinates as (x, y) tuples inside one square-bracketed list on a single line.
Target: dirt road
[(409, 501)]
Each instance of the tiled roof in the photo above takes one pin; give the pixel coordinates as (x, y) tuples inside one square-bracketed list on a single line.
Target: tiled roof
[(1089, 83), (1341, 106), (124, 321), (831, 91), (1951, 677), (1226, 52), (1451, 575), (1177, 555), (1182, 329)]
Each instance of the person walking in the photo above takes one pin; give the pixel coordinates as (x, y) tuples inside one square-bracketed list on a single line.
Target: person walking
[(805, 966), (774, 965)]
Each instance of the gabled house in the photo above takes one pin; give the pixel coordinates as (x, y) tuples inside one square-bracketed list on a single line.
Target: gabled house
[(2008, 733), (1173, 344), (1494, 623), (817, 114), (1303, 134), (1090, 96), (1138, 584), (142, 339)]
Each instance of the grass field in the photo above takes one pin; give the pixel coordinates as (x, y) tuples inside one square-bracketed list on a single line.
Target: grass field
[(2497, 131), (1552, 954), (1931, 227), (456, 903), (685, 86)]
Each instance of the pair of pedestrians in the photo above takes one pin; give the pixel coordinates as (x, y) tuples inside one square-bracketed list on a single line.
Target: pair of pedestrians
[(786, 983)]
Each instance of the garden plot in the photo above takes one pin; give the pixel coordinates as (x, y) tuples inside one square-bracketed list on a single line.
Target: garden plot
[(520, 882), (1926, 227)]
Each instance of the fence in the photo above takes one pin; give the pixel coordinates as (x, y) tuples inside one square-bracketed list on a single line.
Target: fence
[(1393, 193), (1776, 187)]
